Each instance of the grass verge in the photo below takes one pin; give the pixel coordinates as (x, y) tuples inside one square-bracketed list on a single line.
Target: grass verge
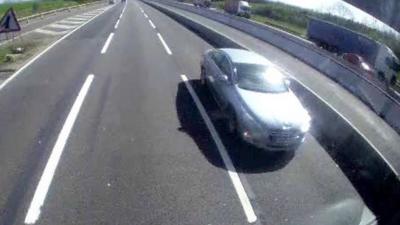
[(28, 8), (259, 17), (9, 55)]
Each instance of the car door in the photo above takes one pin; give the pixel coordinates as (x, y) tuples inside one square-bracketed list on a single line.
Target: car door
[(223, 80), (212, 72), (212, 69)]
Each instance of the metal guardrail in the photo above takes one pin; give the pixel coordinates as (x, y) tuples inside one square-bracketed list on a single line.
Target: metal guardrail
[(372, 95), (27, 18)]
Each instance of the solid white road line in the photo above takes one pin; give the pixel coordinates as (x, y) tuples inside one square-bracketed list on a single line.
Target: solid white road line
[(45, 180), (244, 199), (105, 47), (152, 24), (61, 26), (164, 44), (2, 85), (116, 24)]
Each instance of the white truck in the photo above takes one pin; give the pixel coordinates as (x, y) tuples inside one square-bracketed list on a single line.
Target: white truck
[(239, 8)]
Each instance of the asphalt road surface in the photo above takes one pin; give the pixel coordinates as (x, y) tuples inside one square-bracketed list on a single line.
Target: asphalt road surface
[(110, 126)]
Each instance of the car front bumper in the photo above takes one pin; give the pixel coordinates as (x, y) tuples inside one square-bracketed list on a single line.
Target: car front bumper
[(264, 142)]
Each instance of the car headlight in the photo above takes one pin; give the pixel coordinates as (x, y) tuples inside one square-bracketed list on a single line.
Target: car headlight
[(305, 127), (250, 127)]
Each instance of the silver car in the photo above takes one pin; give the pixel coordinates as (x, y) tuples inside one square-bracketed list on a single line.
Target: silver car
[(255, 98)]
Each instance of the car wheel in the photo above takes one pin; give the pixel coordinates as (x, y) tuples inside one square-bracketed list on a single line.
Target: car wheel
[(202, 76)]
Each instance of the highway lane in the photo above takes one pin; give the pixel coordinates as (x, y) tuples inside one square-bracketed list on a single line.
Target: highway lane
[(139, 152), (128, 163)]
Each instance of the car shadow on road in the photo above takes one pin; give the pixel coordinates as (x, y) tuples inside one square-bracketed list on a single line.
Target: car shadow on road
[(246, 158)]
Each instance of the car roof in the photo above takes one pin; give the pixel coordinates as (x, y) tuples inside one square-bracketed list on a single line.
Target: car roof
[(244, 56)]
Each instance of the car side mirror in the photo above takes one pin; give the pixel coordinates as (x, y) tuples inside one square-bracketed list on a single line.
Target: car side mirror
[(287, 82)]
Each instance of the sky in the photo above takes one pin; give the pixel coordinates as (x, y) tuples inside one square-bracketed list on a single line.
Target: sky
[(342, 9)]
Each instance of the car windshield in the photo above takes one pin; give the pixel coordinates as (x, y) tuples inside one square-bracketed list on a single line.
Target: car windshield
[(259, 78)]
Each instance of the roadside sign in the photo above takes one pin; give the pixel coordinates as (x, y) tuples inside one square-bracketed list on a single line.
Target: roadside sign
[(9, 22)]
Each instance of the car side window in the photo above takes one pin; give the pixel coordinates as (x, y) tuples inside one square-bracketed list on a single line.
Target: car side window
[(225, 67), (222, 63), (216, 56)]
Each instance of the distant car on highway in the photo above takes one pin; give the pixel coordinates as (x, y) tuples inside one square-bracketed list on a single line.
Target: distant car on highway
[(202, 3), (359, 62), (111, 2), (255, 98)]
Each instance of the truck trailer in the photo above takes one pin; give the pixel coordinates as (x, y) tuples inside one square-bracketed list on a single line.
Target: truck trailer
[(340, 40), (239, 8)]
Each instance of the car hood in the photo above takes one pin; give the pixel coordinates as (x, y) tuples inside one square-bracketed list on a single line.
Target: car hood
[(276, 109)]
